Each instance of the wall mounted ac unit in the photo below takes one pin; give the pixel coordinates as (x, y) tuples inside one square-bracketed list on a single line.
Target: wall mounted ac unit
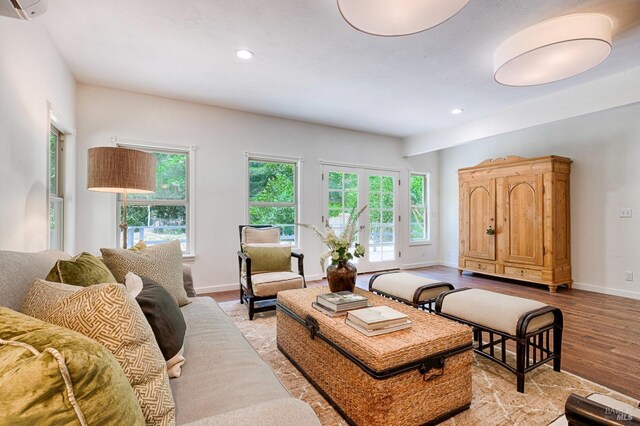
[(22, 9)]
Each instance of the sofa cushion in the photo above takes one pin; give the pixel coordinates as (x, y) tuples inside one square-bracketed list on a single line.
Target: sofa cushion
[(281, 412), (50, 375), (162, 263), (83, 270), (19, 270), (223, 372), (107, 314)]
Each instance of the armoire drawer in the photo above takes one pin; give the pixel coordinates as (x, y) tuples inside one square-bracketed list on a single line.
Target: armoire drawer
[(528, 274), (480, 266)]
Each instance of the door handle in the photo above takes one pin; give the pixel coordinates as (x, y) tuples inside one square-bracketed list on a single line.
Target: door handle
[(491, 231)]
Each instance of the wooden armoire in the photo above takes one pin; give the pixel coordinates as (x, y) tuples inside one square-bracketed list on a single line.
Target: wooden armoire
[(515, 219)]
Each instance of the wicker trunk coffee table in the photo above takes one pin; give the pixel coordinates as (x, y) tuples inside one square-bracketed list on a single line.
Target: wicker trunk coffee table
[(421, 375)]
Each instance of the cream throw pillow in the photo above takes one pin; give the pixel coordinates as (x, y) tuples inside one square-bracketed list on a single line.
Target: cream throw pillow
[(107, 314), (162, 263)]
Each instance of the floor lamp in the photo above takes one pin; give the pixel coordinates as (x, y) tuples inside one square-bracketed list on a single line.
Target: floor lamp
[(121, 170)]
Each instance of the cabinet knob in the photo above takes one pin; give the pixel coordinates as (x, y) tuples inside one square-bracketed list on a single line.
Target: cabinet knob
[(491, 231)]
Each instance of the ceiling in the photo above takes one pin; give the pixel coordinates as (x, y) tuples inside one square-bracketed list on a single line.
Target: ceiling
[(310, 64)]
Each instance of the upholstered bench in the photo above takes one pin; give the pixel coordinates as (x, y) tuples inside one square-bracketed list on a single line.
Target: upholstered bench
[(414, 290), (531, 324)]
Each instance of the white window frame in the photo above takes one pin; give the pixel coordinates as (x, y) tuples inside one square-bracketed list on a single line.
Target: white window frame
[(57, 197), (427, 206), (268, 158), (189, 202)]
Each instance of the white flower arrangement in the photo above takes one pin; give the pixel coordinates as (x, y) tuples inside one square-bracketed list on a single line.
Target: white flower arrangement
[(342, 248)]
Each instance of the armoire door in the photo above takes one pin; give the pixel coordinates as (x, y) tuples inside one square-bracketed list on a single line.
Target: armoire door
[(521, 207), (478, 201)]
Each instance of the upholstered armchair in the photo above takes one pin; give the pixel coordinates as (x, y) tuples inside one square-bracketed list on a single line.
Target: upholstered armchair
[(264, 267)]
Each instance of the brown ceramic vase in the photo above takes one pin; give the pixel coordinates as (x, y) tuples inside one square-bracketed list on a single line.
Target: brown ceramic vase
[(342, 277)]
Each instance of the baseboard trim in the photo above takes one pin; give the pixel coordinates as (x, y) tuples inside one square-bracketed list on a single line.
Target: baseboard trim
[(419, 265), (228, 287), (316, 277), (449, 264), (217, 288), (605, 290)]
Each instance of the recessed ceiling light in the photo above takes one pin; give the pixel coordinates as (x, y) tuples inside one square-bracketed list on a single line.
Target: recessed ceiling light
[(244, 54), (457, 111), (553, 50)]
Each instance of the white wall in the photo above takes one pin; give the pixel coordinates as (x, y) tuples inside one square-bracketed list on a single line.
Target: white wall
[(32, 73), (605, 176), (222, 137)]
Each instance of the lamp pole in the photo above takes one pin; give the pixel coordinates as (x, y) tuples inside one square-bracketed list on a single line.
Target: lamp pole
[(123, 225)]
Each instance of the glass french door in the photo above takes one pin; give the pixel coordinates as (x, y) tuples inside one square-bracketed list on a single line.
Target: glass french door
[(346, 190)]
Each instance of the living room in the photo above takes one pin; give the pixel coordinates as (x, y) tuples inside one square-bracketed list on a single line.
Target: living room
[(317, 93)]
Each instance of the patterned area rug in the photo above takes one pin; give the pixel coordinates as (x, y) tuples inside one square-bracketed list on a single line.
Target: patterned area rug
[(495, 400)]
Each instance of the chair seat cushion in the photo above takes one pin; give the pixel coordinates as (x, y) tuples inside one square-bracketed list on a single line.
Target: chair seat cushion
[(270, 283), (494, 310), (403, 286)]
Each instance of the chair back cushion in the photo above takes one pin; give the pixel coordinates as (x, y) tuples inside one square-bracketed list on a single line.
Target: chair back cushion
[(252, 235), (268, 257)]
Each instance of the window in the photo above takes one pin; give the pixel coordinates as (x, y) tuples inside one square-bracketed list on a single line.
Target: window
[(56, 202), (164, 215), (419, 192), (273, 196)]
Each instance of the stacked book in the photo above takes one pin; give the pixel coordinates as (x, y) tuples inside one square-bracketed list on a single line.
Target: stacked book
[(336, 304), (377, 320)]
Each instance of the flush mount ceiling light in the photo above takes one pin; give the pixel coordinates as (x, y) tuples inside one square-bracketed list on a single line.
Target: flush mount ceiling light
[(397, 17), (553, 50), (456, 111), (244, 54)]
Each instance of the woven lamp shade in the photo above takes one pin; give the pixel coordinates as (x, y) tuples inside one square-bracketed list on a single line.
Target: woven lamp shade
[(121, 170)]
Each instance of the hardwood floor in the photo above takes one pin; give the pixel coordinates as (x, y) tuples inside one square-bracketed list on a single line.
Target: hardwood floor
[(601, 340)]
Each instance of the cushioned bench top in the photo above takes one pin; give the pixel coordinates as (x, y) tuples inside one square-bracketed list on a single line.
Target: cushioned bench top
[(493, 310), (404, 285)]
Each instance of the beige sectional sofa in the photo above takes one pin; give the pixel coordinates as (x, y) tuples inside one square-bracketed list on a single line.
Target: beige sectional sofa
[(223, 382)]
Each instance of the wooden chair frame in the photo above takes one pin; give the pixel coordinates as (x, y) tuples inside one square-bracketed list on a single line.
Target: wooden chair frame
[(259, 303)]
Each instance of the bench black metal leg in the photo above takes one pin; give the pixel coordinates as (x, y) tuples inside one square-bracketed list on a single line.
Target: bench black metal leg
[(251, 301), (557, 348), (241, 295), (521, 347)]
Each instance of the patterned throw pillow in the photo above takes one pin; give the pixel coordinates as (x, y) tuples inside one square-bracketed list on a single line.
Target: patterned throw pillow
[(107, 314), (162, 263), (50, 375), (84, 270)]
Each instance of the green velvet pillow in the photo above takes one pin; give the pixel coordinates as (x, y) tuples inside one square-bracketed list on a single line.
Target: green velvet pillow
[(50, 375), (268, 257), (83, 270)]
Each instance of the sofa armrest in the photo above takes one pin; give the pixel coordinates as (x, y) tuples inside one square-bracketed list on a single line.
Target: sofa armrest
[(188, 280), (281, 412), (582, 412)]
